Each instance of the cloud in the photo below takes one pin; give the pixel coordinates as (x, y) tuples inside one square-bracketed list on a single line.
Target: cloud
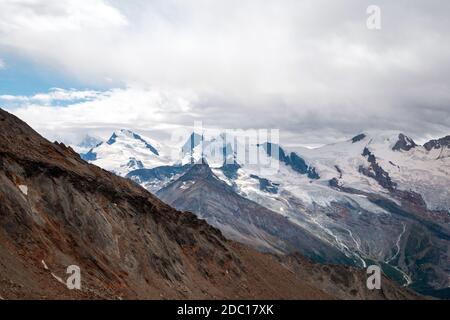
[(2, 64), (310, 68), (54, 96), (100, 113), (57, 16), (159, 112)]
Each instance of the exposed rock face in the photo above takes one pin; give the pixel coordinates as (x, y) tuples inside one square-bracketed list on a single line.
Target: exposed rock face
[(127, 243), (358, 137), (438, 144), (376, 172), (293, 160), (266, 185), (404, 143), (89, 156), (230, 170)]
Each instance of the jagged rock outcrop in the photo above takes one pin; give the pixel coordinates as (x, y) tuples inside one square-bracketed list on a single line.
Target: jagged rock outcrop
[(404, 143), (358, 137), (438, 143), (292, 159), (375, 171)]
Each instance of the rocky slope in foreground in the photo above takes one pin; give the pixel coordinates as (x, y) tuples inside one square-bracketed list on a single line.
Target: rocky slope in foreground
[(56, 210)]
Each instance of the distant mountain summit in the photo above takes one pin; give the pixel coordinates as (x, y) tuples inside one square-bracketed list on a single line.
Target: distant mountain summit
[(124, 134), (404, 143), (125, 151)]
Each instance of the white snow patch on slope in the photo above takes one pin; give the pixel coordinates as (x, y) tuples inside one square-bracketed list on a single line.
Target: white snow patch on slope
[(23, 189), (44, 264)]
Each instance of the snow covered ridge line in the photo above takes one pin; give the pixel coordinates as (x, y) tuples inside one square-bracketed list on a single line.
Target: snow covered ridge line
[(398, 160), (125, 150)]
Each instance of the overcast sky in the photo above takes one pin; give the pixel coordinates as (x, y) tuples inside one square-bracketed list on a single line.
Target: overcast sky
[(310, 68)]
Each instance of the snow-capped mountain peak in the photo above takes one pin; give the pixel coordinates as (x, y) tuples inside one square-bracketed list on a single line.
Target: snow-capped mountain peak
[(128, 136), (126, 150)]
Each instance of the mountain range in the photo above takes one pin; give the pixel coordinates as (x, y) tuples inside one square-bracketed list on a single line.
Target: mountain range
[(57, 210), (376, 198)]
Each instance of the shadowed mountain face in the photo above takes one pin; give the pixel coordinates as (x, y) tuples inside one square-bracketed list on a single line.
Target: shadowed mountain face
[(438, 144), (241, 219), (56, 210)]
